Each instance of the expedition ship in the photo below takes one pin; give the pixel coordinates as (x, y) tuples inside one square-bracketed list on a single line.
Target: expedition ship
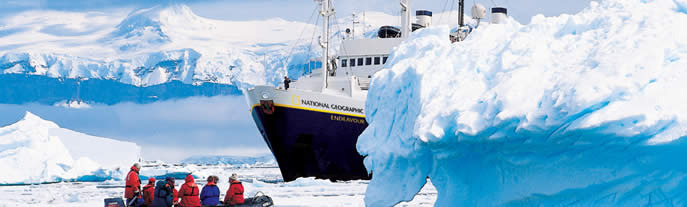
[(312, 127)]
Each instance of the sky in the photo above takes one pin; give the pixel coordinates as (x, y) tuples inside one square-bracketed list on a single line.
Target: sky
[(298, 10), (174, 130)]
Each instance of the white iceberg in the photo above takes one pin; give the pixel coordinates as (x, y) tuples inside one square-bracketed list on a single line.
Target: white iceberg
[(575, 110), (34, 151)]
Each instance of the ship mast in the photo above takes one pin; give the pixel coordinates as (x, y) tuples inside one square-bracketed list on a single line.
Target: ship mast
[(461, 11), (325, 11), (405, 19)]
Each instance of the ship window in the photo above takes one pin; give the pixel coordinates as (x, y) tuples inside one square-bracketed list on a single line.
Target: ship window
[(343, 63), (376, 60), (360, 61), (352, 61), (384, 59), (368, 61)]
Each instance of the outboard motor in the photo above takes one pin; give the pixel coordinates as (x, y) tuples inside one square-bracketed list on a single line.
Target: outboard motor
[(499, 15), (259, 200)]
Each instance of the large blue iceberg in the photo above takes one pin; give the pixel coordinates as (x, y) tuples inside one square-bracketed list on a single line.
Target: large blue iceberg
[(576, 110)]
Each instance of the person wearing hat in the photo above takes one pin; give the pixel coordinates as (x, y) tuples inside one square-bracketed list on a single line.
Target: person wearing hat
[(209, 196), (189, 193), (132, 190), (149, 191), (235, 193)]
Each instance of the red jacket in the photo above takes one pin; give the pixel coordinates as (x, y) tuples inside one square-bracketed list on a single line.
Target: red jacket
[(133, 183), (189, 193), (175, 195), (234, 194), (148, 192)]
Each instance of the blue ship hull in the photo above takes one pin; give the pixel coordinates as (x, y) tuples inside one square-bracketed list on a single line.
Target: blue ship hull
[(311, 143)]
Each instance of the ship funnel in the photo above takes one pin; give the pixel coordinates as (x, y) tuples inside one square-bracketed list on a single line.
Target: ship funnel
[(424, 18), (499, 15)]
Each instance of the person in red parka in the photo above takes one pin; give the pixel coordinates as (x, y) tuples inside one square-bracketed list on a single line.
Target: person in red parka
[(189, 193), (132, 190), (148, 192), (235, 193)]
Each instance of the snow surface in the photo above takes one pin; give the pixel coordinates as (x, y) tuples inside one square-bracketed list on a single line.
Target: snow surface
[(575, 110), (34, 151)]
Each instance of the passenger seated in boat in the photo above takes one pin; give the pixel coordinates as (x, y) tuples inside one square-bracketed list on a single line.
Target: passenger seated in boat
[(234, 195)]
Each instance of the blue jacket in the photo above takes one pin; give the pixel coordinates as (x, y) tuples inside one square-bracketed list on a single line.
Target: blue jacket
[(209, 196), (164, 194)]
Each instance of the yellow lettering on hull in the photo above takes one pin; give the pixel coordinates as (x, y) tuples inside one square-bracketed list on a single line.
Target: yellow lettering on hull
[(347, 119)]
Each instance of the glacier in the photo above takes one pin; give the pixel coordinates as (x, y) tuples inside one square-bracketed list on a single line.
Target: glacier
[(35, 151), (573, 110)]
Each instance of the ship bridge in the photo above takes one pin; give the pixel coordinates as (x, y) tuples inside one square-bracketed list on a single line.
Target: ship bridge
[(363, 57)]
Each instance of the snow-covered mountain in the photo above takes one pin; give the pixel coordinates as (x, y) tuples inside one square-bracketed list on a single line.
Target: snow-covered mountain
[(151, 46), (573, 110), (125, 54), (34, 150)]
